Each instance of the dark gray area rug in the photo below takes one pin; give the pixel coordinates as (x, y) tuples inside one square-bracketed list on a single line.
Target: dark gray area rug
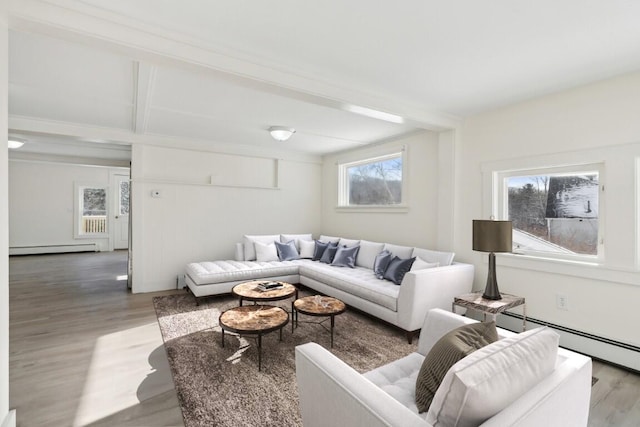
[(222, 386)]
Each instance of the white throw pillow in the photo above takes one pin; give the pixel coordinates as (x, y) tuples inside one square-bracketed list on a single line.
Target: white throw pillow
[(307, 248), (266, 252), (491, 378), (420, 264), (249, 248), (328, 239), (284, 238), (444, 258), (367, 253)]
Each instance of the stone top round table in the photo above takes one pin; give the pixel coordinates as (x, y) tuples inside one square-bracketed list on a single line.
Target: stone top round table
[(249, 291)]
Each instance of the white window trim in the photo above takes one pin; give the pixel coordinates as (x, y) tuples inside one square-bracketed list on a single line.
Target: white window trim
[(78, 211), (370, 156), (501, 211)]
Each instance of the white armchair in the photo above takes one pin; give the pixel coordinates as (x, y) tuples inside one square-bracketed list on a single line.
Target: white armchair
[(332, 393)]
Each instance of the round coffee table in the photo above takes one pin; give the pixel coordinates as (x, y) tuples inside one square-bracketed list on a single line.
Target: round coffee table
[(254, 320), (249, 291), (319, 306)]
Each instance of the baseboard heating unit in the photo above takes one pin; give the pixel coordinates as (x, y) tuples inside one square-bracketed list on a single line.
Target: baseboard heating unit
[(53, 249)]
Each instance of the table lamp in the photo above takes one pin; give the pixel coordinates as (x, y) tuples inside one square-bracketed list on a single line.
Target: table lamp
[(492, 236)]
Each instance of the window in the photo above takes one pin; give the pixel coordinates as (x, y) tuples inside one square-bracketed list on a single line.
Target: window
[(123, 200), (372, 182), (91, 205), (555, 212)]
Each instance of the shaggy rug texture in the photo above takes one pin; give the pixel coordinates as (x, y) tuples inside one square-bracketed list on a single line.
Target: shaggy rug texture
[(222, 386)]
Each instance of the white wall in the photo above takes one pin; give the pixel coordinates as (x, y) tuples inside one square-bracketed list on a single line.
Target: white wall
[(195, 221), (598, 122), (41, 202), (418, 226), (5, 416)]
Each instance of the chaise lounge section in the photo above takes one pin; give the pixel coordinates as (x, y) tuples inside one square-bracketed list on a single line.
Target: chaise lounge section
[(404, 305)]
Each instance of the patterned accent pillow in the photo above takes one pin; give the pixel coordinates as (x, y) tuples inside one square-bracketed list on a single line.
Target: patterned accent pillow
[(448, 350)]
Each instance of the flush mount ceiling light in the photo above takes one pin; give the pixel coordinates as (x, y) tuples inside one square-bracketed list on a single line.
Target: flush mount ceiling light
[(15, 143), (281, 133)]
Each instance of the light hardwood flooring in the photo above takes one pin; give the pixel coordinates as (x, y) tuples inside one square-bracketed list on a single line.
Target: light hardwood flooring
[(86, 352), (83, 350)]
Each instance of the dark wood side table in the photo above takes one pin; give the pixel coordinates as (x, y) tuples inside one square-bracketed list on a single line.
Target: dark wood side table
[(474, 301)]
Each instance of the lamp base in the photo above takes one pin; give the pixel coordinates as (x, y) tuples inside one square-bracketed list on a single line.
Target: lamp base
[(491, 291)]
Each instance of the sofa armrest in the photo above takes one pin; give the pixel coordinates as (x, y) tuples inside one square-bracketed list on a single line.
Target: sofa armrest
[(334, 394), (423, 290), (239, 256)]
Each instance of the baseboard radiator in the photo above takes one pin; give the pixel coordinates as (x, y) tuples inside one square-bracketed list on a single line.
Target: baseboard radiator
[(53, 249), (622, 354)]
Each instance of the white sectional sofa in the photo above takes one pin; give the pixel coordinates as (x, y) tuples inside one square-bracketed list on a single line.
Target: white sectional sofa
[(404, 306), (502, 387)]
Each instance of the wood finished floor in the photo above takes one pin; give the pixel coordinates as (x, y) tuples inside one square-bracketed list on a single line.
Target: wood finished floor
[(86, 352)]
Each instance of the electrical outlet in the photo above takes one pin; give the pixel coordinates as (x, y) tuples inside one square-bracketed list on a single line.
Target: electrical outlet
[(562, 302)]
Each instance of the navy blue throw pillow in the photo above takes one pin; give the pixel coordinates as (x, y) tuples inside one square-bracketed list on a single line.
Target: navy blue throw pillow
[(397, 269), (319, 250), (346, 257), (287, 251), (381, 263), (329, 253)]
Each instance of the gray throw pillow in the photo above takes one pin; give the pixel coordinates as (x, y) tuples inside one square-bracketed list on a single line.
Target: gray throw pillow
[(397, 268), (287, 251), (381, 263), (329, 253), (346, 257), (448, 350), (319, 250)]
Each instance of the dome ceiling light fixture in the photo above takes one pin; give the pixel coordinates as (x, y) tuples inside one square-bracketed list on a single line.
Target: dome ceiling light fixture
[(281, 133), (14, 143)]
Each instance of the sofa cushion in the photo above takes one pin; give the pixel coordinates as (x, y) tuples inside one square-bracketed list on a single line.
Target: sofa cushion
[(381, 263), (287, 251), (397, 269), (248, 242), (345, 257), (420, 264), (452, 347), (490, 379), (307, 248), (367, 253), (329, 239), (398, 379), (348, 242), (266, 252), (357, 281), (284, 238), (443, 258), (403, 252), (329, 253), (205, 273)]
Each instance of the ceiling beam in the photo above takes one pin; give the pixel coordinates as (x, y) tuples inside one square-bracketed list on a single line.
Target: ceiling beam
[(80, 22), (145, 84)]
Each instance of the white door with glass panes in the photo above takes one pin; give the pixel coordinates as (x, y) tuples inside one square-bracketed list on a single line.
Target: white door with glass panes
[(121, 221)]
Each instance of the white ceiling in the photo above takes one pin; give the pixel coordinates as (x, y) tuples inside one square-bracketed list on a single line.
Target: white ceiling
[(224, 71)]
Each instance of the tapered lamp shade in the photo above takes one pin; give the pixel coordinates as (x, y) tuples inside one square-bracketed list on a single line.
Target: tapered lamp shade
[(492, 236)]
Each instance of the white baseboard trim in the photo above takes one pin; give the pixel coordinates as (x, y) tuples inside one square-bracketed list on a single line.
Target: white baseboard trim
[(53, 249), (616, 352), (10, 419)]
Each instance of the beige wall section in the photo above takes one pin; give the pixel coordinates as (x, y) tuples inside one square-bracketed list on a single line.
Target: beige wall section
[(195, 221), (418, 226), (598, 122), (41, 202)]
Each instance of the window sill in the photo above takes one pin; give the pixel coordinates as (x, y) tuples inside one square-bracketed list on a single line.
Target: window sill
[(582, 269), (372, 209)]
